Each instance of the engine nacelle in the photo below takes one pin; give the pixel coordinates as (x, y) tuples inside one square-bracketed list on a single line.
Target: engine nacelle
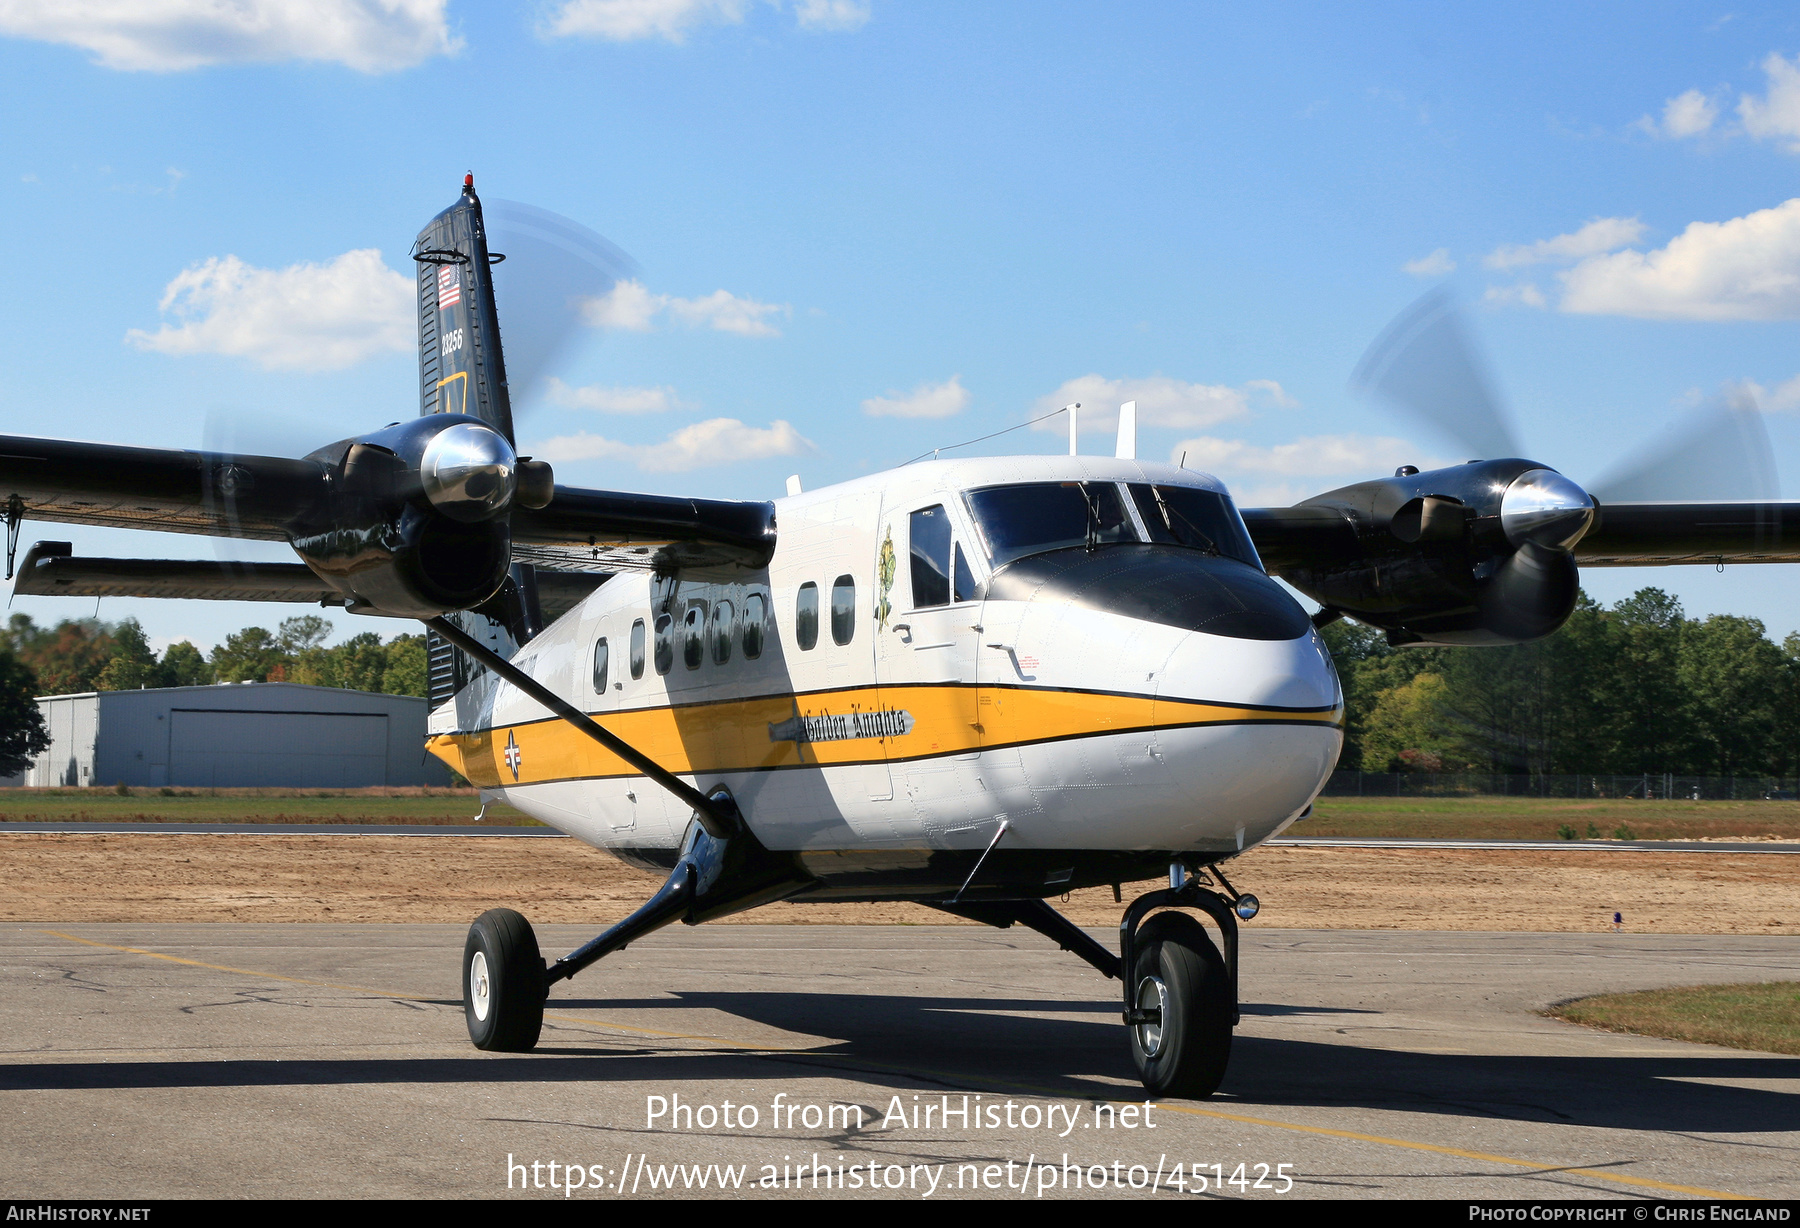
[(417, 522), (1473, 554)]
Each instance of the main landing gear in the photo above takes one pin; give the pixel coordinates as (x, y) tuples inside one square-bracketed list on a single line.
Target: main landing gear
[(1180, 991), (505, 979)]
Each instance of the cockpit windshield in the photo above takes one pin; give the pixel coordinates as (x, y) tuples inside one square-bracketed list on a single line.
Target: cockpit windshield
[(1034, 517)]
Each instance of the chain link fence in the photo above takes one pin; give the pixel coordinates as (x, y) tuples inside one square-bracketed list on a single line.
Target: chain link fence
[(1652, 785)]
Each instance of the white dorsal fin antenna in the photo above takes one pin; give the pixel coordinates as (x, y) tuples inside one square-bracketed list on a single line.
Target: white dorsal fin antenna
[(1074, 412), (793, 485), (1127, 449)]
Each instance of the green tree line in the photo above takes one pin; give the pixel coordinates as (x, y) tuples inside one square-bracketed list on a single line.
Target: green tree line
[(80, 655), (1639, 687)]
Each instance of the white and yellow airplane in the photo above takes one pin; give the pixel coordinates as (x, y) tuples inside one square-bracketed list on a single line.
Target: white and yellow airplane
[(973, 684)]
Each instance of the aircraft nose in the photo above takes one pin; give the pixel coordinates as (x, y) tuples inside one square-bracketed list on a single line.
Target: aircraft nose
[(1280, 674), (1250, 731)]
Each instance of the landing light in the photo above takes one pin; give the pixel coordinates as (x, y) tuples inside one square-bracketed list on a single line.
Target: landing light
[(1247, 906)]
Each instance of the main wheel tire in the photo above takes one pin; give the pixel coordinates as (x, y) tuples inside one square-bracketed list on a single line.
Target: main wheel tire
[(1180, 971), (503, 983)]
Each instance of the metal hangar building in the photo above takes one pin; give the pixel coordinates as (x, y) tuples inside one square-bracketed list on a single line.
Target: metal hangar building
[(242, 735)]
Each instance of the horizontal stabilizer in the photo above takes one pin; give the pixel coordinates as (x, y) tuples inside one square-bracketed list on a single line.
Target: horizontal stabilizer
[(49, 570)]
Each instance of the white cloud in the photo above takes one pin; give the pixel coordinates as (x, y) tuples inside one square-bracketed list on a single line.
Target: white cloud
[(728, 313), (831, 14), (1783, 398), (613, 400), (1162, 402), (1435, 265), (926, 401), (170, 35), (306, 317), (1603, 234), (1525, 293), (1747, 268), (1688, 114), (1355, 456), (628, 20), (1776, 115), (717, 441), (623, 21), (629, 305)]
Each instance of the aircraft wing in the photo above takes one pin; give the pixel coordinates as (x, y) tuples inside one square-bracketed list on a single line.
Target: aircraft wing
[(1653, 534), (157, 488), (1624, 535), (272, 498), (1299, 536), (602, 530)]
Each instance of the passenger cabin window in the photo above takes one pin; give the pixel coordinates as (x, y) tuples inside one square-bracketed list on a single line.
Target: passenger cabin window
[(724, 627), (806, 616), (693, 635), (637, 649), (929, 535), (755, 616), (1029, 519), (1202, 519), (665, 643), (843, 609), (600, 655)]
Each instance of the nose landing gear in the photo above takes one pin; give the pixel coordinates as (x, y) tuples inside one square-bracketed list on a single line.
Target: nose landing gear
[(1180, 992)]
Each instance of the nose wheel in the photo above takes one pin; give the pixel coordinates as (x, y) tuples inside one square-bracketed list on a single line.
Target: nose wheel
[(1181, 1042), (1180, 992)]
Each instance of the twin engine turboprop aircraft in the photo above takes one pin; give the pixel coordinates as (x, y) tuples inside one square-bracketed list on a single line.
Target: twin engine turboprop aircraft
[(969, 684)]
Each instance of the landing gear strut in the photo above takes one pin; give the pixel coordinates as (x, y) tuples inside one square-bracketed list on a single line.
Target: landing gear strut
[(1180, 993), (505, 980)]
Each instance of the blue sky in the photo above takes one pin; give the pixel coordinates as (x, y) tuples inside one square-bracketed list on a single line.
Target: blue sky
[(867, 228)]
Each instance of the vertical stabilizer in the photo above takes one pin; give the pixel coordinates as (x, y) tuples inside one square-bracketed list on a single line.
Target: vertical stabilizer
[(461, 369)]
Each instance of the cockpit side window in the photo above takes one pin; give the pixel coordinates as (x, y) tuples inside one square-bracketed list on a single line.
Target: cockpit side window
[(929, 535), (964, 589), (1201, 519), (1034, 517)]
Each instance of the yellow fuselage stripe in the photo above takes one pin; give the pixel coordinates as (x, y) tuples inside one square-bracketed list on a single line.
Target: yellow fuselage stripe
[(746, 734)]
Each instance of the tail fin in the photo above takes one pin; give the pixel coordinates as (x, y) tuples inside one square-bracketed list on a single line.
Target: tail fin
[(461, 369)]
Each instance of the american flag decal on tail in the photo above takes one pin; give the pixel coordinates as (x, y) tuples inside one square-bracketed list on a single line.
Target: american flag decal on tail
[(449, 286)]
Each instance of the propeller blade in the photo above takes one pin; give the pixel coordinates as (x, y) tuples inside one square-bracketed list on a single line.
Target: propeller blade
[(554, 266), (1718, 452), (1426, 362), (234, 432)]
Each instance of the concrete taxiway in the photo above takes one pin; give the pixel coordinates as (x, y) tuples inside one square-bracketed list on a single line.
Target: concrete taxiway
[(266, 1060)]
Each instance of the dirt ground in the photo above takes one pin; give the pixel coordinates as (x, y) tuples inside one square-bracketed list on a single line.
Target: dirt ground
[(173, 878)]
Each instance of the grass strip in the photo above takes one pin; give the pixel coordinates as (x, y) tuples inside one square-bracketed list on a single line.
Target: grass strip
[(1764, 1016)]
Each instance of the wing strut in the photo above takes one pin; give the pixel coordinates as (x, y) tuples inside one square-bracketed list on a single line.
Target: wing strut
[(718, 816)]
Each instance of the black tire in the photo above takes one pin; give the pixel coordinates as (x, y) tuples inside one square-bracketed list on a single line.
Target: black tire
[(510, 1014), (1188, 1054)]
